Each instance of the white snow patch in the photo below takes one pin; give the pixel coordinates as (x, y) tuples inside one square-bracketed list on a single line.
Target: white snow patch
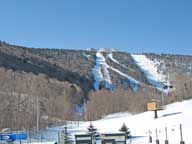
[(86, 55), (110, 55), (100, 71), (149, 67)]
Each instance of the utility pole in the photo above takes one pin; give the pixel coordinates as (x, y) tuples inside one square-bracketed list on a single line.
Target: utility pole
[(162, 94), (37, 105), (85, 109), (162, 98)]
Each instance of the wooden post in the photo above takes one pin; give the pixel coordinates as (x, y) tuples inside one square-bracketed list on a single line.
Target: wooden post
[(156, 115)]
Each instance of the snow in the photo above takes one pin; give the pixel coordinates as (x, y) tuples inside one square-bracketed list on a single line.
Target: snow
[(140, 124), (100, 71), (53, 142), (86, 55), (110, 55), (176, 114), (134, 83), (150, 69)]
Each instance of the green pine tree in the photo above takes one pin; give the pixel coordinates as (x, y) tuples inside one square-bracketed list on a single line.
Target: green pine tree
[(126, 130), (66, 136), (93, 132), (92, 129)]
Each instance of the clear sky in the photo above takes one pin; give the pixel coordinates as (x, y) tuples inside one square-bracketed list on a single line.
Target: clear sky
[(161, 26)]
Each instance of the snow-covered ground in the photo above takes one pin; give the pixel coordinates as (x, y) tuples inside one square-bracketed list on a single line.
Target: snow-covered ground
[(150, 68), (140, 124)]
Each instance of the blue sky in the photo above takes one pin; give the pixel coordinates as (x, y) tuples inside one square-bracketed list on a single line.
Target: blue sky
[(161, 26)]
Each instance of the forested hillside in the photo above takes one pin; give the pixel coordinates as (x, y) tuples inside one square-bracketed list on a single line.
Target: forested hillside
[(56, 83)]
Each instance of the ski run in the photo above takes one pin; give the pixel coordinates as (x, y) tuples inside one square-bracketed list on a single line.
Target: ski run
[(150, 69), (101, 73)]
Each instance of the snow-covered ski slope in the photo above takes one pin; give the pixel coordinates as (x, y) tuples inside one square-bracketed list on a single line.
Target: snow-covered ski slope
[(101, 71), (150, 69), (140, 124)]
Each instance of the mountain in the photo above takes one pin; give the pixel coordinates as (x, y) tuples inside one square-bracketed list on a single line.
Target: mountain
[(61, 80)]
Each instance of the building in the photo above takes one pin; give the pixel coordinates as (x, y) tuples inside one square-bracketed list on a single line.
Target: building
[(83, 139), (113, 138)]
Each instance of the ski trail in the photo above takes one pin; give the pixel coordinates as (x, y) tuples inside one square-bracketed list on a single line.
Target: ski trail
[(110, 55), (133, 82), (155, 86), (100, 71), (151, 71)]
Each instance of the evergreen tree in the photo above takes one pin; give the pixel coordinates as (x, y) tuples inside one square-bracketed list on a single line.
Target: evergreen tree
[(126, 130), (91, 129), (66, 136), (93, 132)]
